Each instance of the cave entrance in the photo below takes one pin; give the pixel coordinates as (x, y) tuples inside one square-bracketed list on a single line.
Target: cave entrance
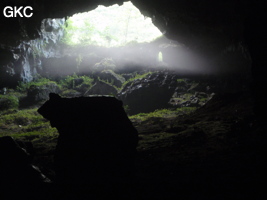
[(111, 26)]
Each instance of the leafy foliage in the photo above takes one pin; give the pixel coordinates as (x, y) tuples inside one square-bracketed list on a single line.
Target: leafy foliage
[(109, 26), (75, 81), (39, 81)]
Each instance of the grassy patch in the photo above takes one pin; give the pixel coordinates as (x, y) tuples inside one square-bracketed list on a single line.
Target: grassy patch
[(162, 113), (40, 81), (159, 120), (25, 124)]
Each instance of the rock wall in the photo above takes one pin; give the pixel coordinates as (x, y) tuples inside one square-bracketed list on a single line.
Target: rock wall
[(26, 58)]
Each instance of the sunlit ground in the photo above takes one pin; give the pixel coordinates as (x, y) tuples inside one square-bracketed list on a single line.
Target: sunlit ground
[(110, 26)]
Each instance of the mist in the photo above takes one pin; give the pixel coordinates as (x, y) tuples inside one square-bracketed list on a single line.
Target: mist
[(134, 43)]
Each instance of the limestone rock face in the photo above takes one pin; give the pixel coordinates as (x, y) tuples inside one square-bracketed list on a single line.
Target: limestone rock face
[(26, 56)]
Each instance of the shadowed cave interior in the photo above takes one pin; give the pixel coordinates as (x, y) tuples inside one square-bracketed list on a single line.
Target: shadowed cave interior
[(90, 110)]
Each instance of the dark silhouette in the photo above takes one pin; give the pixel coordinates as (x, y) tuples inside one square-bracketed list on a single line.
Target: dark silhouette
[(96, 145), (17, 173)]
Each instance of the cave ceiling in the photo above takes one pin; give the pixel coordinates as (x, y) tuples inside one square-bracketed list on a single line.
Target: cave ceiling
[(188, 21), (206, 27)]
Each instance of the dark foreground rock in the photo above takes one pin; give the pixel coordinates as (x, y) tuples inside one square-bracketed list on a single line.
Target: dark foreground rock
[(95, 153), (18, 176)]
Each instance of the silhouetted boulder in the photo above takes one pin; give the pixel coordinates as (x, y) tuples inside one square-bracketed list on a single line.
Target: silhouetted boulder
[(97, 142), (17, 174)]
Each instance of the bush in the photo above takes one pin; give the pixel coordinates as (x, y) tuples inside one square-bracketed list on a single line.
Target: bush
[(23, 87), (76, 82), (8, 102)]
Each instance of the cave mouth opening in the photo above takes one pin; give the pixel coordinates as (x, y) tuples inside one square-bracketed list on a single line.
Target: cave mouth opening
[(111, 26)]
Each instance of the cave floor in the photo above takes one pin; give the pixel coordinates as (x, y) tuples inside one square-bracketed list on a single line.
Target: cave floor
[(215, 153)]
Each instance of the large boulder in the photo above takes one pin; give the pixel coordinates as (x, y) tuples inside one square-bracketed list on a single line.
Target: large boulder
[(17, 173), (149, 93), (101, 88), (38, 93), (97, 142)]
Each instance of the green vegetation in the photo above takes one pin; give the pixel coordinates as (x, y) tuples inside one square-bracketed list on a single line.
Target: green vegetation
[(37, 82), (109, 26), (25, 124), (162, 113), (8, 102), (75, 82), (180, 80), (137, 76)]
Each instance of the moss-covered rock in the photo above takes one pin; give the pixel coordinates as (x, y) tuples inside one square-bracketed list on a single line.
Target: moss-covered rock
[(148, 92), (111, 77), (8, 102), (41, 92)]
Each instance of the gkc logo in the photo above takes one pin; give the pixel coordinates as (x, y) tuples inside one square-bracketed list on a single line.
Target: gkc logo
[(20, 11)]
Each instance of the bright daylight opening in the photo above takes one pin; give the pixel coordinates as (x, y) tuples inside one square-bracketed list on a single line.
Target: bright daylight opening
[(110, 27)]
